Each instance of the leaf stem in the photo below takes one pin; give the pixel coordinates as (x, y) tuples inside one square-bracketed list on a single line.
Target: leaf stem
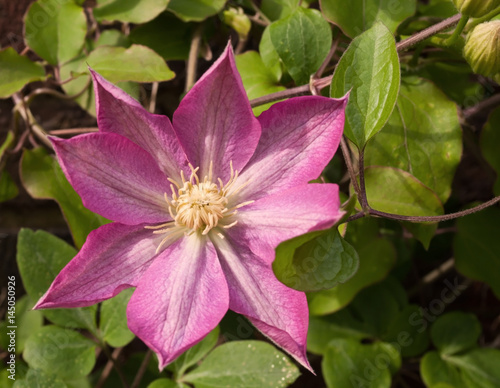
[(23, 109), (348, 161), (458, 30), (482, 19), (192, 61), (109, 365), (362, 193)]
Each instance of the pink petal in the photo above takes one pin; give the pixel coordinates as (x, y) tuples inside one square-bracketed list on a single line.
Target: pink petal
[(114, 258), (180, 299), (264, 224), (299, 138), (119, 113), (214, 121), (277, 311), (115, 178)]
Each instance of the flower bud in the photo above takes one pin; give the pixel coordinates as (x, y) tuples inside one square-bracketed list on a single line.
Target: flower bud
[(236, 19), (482, 48), (475, 8)]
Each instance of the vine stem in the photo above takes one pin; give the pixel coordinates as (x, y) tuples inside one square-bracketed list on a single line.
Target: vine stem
[(321, 83), (348, 161), (29, 119), (445, 217), (458, 30), (193, 58), (109, 366)]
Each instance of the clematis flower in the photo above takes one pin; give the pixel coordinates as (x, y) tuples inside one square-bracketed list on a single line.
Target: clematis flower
[(199, 206)]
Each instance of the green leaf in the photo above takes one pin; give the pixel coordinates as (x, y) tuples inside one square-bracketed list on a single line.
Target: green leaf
[(348, 363), (360, 15), (39, 379), (113, 323), (43, 178), (112, 38), (395, 191), (269, 55), (136, 63), (423, 137), (490, 139), (63, 352), (195, 10), (244, 364), (369, 68), (455, 332), (316, 261), (477, 247), (479, 367), (17, 71), (278, 9), (257, 79), (302, 41), (8, 188), (164, 383), (376, 258), (153, 35), (194, 354), (55, 30), (129, 11), (40, 257), (28, 321), (81, 86), (434, 371)]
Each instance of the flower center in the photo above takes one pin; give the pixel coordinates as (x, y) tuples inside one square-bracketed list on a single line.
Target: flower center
[(199, 206)]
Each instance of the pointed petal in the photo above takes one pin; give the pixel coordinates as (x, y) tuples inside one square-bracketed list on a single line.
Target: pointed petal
[(264, 224), (277, 311), (299, 138), (113, 258), (214, 121), (119, 113), (115, 178), (180, 299)]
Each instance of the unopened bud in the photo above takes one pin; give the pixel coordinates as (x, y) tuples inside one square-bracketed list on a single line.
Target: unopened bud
[(237, 20), (475, 8), (482, 48)]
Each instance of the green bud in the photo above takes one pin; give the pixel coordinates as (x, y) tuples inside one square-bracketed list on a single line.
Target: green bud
[(237, 20), (482, 48), (475, 8)]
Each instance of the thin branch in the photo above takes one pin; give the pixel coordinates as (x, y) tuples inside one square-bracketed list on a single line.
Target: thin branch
[(142, 369), (362, 192), (445, 217), (29, 119), (73, 131), (428, 32), (328, 58), (192, 62), (350, 168), (259, 15), (354, 217), (109, 366), (433, 275), (154, 93), (484, 105)]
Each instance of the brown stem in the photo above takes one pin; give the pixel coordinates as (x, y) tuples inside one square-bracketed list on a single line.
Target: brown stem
[(29, 119), (444, 217), (154, 93), (433, 275), (192, 62), (72, 131), (109, 366), (348, 162), (328, 58), (142, 369), (362, 192), (484, 105)]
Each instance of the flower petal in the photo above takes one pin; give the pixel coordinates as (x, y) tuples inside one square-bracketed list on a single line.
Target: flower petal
[(114, 258), (277, 311), (299, 138), (214, 121), (180, 299), (119, 113), (115, 177), (264, 224)]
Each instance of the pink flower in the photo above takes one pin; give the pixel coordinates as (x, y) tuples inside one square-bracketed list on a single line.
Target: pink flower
[(199, 206)]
